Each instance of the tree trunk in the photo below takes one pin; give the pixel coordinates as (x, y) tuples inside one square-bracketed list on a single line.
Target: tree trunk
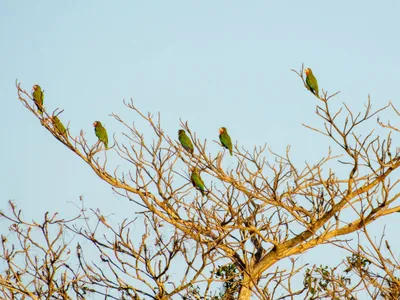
[(244, 294), (245, 290)]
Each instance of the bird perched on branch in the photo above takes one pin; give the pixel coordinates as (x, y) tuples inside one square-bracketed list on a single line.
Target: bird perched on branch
[(311, 82), (225, 139), (185, 141), (101, 133), (60, 127), (38, 97), (197, 181)]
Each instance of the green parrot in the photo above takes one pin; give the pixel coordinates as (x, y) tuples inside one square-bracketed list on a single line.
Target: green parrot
[(38, 97), (101, 133), (197, 181), (312, 82), (225, 139), (60, 127), (185, 141)]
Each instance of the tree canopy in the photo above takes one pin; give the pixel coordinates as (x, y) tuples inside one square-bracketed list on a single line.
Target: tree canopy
[(232, 232)]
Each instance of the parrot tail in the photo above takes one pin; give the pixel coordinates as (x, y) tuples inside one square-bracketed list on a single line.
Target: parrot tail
[(40, 108)]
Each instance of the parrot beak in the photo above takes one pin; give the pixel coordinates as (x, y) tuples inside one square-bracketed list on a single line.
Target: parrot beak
[(94, 124), (307, 71), (221, 130)]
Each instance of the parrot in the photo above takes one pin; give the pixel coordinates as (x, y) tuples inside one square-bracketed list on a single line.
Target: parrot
[(225, 139), (60, 127), (38, 97), (185, 141), (312, 82), (197, 181), (101, 133)]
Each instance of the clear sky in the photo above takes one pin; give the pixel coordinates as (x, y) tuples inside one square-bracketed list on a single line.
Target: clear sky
[(212, 63)]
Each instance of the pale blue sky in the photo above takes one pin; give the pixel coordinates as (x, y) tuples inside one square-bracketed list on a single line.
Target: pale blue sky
[(212, 63)]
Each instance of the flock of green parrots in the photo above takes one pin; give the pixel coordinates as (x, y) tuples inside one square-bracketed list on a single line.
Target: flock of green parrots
[(195, 178), (187, 144), (38, 98)]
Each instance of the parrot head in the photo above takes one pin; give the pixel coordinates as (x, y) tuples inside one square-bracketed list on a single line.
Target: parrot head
[(181, 132), (35, 87), (222, 130), (96, 123), (308, 71)]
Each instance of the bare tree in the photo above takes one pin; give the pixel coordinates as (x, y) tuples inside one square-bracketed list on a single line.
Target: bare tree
[(37, 260), (251, 217)]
